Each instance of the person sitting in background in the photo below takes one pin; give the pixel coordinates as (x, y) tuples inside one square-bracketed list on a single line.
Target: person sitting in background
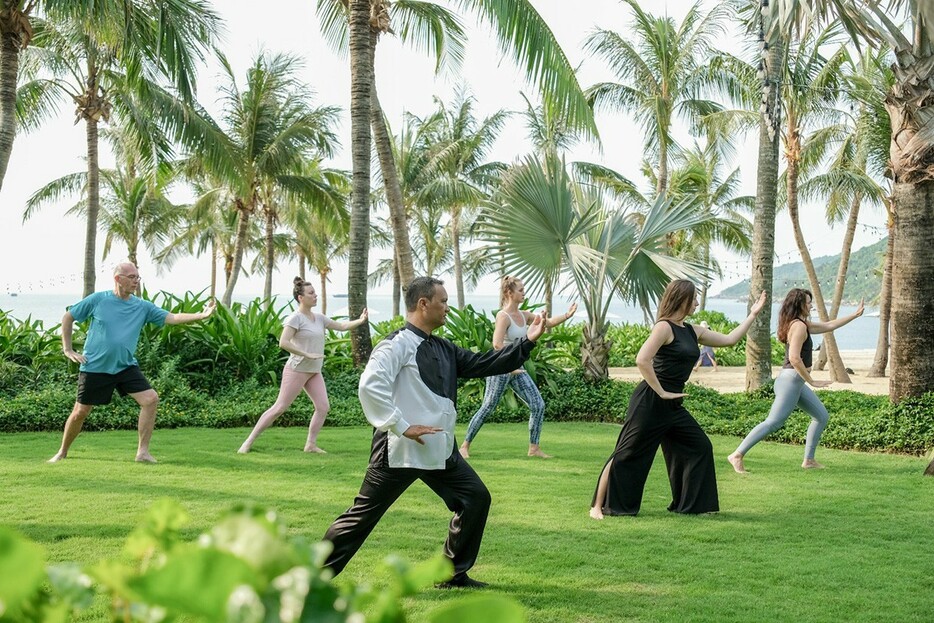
[(706, 354)]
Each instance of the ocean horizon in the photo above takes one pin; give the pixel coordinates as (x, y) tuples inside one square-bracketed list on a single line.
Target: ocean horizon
[(860, 334)]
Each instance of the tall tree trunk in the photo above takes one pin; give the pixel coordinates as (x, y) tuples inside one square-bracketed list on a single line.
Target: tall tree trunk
[(11, 42), (324, 292), (912, 291), (759, 337), (94, 205), (549, 297), (362, 42), (851, 222), (213, 268), (881, 360), (270, 215), (228, 267), (706, 285), (396, 289), (397, 217), (458, 267), (793, 158), (243, 224), (661, 187), (301, 265)]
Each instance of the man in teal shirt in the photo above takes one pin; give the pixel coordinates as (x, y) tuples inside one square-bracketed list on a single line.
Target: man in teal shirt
[(109, 361)]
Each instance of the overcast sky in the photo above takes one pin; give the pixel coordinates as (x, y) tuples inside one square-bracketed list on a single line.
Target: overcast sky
[(46, 252)]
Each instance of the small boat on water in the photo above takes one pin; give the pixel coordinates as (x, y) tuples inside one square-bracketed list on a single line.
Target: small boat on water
[(340, 296)]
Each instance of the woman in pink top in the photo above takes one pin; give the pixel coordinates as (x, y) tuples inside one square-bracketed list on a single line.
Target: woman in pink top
[(303, 337)]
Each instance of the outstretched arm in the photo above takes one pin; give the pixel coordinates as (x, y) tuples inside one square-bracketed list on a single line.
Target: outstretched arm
[(186, 318), (830, 325), (554, 321), (709, 337), (346, 325)]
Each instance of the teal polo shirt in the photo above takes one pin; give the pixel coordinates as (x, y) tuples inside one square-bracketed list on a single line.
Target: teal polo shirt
[(115, 328)]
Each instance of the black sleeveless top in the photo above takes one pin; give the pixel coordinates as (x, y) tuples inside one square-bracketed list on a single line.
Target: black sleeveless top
[(674, 362), (807, 350)]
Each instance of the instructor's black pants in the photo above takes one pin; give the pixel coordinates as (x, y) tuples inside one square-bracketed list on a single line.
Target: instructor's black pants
[(457, 484)]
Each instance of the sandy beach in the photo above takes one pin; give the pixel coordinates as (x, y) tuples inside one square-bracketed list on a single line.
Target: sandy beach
[(729, 380)]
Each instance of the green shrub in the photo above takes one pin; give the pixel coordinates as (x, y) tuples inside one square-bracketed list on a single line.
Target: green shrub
[(245, 569)]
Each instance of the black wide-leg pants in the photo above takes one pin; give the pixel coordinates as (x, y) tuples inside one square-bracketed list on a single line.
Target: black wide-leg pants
[(457, 484), (688, 453)]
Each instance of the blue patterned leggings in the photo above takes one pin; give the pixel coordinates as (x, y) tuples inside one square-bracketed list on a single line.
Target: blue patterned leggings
[(525, 389)]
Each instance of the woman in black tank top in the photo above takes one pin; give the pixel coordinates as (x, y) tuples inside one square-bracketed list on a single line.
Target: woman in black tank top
[(794, 330), (657, 416)]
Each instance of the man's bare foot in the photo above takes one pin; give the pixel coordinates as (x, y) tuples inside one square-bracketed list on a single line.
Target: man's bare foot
[(736, 460), (811, 464), (596, 513), (538, 452), (314, 450), (58, 457), (145, 458)]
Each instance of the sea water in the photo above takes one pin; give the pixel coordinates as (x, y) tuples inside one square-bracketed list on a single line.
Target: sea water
[(859, 334)]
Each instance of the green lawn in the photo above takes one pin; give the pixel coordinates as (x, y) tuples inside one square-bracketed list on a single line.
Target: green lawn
[(849, 543)]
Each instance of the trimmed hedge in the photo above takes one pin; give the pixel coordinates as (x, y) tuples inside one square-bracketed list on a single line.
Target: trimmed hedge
[(857, 421)]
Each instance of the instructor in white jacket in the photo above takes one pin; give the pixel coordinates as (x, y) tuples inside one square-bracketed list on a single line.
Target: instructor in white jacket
[(409, 392)]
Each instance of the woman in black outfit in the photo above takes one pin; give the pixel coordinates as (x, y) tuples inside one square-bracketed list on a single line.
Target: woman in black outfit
[(656, 415)]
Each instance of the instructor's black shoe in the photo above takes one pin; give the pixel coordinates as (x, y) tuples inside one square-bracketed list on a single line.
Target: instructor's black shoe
[(462, 581)]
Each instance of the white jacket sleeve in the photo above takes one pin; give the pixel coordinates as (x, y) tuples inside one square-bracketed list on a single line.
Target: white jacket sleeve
[(376, 385)]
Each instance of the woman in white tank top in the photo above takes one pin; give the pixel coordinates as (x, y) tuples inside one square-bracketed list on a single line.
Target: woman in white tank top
[(303, 337), (511, 325)]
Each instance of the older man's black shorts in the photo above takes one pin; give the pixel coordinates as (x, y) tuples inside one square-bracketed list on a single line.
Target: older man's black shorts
[(97, 388)]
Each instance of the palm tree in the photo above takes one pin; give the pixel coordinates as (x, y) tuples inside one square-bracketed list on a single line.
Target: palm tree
[(549, 225), (459, 178), (700, 176), (859, 161), (272, 133), (810, 91), (520, 32), (909, 104), (106, 60), (661, 73)]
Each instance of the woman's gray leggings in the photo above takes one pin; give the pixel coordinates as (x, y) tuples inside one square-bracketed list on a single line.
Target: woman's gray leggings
[(525, 388), (790, 392)]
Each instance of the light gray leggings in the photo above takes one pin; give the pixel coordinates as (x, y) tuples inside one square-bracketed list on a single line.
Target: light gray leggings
[(790, 392)]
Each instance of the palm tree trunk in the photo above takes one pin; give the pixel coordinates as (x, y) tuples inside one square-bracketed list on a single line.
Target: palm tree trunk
[(213, 268), (662, 182), (912, 291), (759, 337), (94, 205), (851, 222), (549, 297), (10, 45), (301, 265), (396, 289), (793, 156), (881, 359), (595, 351), (323, 291), (243, 224), (362, 42), (270, 253), (228, 267), (397, 217), (706, 285), (458, 267)]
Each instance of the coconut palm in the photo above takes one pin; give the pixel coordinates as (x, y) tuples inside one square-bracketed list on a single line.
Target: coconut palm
[(548, 225), (106, 59), (909, 104), (520, 32), (661, 73), (858, 162), (272, 132)]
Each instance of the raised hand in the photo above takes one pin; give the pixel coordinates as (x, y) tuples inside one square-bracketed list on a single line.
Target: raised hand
[(571, 311), (364, 314), (537, 327), (759, 304), (209, 308), (860, 309)]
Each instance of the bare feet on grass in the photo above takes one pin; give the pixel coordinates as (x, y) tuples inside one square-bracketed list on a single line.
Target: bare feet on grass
[(314, 450), (244, 449), (736, 460), (145, 458), (58, 457), (596, 513), (535, 450), (811, 464)]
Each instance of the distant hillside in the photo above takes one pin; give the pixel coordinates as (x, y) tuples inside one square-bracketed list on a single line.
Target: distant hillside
[(863, 276)]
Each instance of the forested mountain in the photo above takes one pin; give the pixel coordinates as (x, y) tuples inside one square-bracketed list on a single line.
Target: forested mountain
[(863, 278)]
